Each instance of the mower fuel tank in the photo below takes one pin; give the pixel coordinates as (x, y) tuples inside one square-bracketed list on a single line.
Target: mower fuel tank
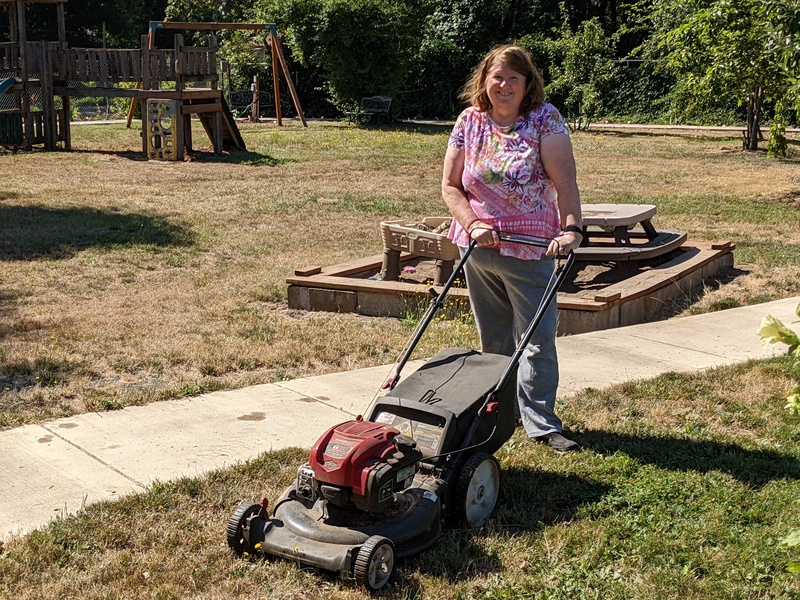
[(361, 463), (436, 404)]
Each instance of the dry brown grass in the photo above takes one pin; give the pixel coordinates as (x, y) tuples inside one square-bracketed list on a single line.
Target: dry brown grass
[(127, 281)]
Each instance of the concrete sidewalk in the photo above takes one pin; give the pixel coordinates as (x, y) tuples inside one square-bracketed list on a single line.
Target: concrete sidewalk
[(53, 469)]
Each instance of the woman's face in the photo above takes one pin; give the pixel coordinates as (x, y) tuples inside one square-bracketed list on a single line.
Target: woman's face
[(505, 88)]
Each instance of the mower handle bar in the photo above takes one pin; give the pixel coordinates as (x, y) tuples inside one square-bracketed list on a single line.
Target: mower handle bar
[(547, 298), (437, 301)]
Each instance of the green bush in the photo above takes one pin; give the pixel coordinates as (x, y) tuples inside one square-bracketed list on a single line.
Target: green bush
[(582, 72)]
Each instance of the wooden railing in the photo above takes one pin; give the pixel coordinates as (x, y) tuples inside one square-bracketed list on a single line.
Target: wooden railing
[(198, 62), (149, 66), (9, 57), (97, 64), (106, 67)]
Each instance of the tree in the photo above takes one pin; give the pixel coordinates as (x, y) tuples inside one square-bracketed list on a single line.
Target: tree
[(122, 21), (717, 49), (361, 47), (784, 15), (424, 50), (581, 71), (455, 37)]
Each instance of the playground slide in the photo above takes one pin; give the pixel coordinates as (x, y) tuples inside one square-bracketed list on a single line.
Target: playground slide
[(6, 84), (231, 136)]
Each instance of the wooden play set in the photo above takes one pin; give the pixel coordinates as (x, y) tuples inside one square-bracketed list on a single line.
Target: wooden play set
[(38, 80)]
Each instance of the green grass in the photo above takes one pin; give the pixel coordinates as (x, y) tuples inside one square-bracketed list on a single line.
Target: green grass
[(684, 489), (128, 282)]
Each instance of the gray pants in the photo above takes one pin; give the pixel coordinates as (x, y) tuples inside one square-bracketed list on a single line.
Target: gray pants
[(505, 293)]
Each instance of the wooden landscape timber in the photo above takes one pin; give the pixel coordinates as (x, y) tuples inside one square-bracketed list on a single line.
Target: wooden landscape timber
[(631, 300)]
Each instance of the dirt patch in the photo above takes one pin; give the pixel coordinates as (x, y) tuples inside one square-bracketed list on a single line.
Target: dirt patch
[(790, 198)]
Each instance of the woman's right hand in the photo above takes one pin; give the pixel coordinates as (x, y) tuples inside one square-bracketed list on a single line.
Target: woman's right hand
[(483, 234)]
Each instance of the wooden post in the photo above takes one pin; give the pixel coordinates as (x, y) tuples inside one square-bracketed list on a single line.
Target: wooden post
[(22, 36), (275, 82), (12, 23), (179, 63), (23, 73), (145, 126), (277, 49), (62, 31), (187, 132), (255, 108), (147, 46), (219, 142), (65, 129), (145, 67), (181, 124), (212, 60), (144, 57), (46, 87)]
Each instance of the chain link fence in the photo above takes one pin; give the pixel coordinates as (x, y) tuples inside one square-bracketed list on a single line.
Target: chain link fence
[(81, 109)]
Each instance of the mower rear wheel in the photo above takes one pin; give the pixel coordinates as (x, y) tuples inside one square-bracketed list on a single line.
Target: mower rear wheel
[(374, 563), (476, 490), (236, 525)]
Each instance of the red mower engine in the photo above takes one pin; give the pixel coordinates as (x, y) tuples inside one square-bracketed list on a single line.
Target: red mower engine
[(359, 464)]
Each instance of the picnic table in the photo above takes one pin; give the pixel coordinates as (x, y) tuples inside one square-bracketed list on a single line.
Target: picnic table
[(620, 218), (630, 227)]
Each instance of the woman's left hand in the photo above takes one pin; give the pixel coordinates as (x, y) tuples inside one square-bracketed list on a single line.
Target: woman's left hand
[(562, 244)]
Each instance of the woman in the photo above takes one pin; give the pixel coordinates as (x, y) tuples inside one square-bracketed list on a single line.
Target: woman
[(509, 167)]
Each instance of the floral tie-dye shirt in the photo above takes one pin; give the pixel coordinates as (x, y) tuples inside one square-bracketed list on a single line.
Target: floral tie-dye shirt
[(504, 179)]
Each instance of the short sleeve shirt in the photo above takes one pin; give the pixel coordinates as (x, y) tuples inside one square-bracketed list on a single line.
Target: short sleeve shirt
[(504, 179)]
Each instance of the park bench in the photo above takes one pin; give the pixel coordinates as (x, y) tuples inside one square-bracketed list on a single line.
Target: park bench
[(373, 108), (242, 103)]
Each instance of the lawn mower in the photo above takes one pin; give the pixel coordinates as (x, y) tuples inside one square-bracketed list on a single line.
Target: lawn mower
[(378, 489)]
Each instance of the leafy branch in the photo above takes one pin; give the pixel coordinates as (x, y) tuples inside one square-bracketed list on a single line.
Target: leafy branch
[(773, 331)]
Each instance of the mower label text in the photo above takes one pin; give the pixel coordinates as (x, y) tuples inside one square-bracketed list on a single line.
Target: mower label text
[(385, 418), (405, 473), (428, 436), (338, 450)]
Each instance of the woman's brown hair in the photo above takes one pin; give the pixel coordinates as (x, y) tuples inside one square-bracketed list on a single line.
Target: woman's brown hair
[(518, 59)]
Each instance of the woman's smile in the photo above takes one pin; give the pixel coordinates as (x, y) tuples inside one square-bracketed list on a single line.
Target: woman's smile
[(505, 88)]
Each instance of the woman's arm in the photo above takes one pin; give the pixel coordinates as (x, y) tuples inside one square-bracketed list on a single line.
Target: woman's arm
[(559, 164), (457, 202)]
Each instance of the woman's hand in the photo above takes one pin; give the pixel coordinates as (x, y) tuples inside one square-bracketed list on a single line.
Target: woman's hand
[(483, 234), (562, 244)]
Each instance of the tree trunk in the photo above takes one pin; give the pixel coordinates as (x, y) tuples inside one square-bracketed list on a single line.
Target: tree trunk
[(753, 134)]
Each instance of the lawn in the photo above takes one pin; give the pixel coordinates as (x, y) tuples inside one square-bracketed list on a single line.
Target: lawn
[(684, 489), (127, 281)]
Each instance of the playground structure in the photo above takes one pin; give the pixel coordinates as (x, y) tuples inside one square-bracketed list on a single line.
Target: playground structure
[(40, 78)]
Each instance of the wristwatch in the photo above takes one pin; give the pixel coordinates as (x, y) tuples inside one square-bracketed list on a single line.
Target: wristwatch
[(573, 229)]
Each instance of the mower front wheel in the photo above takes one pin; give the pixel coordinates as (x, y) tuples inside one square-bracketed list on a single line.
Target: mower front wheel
[(374, 563), (476, 489), (236, 525)]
